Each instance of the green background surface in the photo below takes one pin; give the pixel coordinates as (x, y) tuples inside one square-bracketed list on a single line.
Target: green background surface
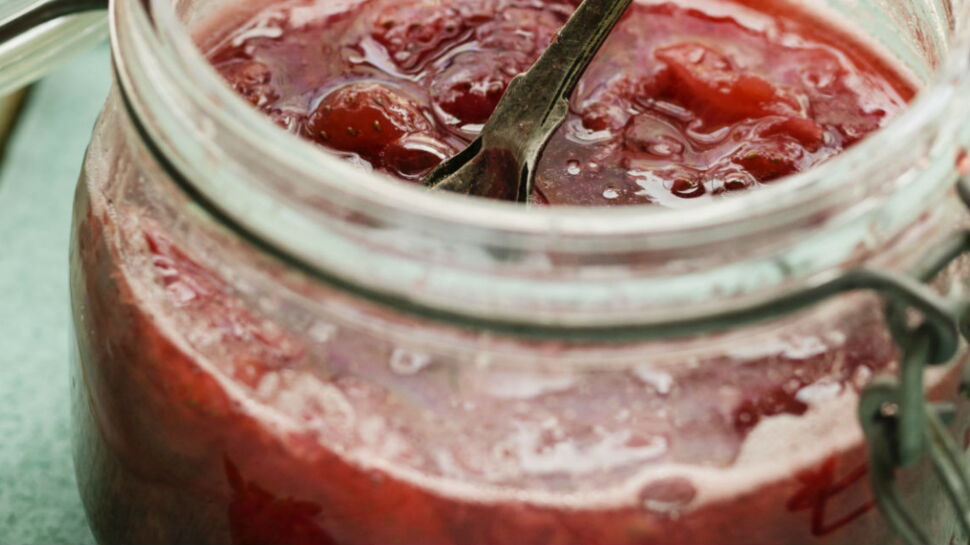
[(39, 503)]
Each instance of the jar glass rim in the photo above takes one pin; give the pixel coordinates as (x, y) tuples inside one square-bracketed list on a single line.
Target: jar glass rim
[(451, 256), (794, 196)]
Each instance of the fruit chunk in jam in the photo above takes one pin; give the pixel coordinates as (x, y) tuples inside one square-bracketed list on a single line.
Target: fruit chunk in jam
[(373, 121), (679, 104)]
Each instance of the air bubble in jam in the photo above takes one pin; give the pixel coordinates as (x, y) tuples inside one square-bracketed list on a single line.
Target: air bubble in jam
[(573, 168), (658, 380), (408, 362), (668, 496), (687, 187), (322, 332), (727, 106)]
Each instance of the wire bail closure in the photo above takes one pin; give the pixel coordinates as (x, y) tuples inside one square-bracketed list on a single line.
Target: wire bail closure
[(900, 425)]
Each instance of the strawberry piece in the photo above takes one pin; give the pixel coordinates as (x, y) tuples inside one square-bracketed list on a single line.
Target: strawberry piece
[(365, 118), (719, 93), (770, 159)]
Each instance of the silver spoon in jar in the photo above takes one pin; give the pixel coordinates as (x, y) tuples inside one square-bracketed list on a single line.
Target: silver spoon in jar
[(501, 162), (18, 19)]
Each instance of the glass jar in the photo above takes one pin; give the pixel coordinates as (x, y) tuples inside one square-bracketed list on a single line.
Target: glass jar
[(277, 347)]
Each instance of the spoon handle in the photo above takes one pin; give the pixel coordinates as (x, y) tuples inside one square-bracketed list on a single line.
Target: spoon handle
[(501, 163)]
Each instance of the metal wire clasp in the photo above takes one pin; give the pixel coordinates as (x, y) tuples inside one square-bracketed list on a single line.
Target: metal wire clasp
[(900, 426)]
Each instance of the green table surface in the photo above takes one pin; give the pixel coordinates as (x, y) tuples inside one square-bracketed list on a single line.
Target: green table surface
[(38, 497)]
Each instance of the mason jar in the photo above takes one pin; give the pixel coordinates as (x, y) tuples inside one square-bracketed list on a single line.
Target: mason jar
[(275, 346)]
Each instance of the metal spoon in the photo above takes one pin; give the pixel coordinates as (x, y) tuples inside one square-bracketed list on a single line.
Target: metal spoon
[(501, 162)]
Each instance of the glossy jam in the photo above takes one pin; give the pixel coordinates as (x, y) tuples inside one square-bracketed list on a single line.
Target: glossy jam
[(680, 103)]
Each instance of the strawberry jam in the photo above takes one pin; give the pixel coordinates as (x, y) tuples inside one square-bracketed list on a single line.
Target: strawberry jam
[(227, 396), (680, 104)]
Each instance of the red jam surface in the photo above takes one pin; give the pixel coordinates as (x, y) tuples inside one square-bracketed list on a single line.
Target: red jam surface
[(681, 103)]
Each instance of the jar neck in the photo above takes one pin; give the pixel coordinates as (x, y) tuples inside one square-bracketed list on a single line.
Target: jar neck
[(474, 261)]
